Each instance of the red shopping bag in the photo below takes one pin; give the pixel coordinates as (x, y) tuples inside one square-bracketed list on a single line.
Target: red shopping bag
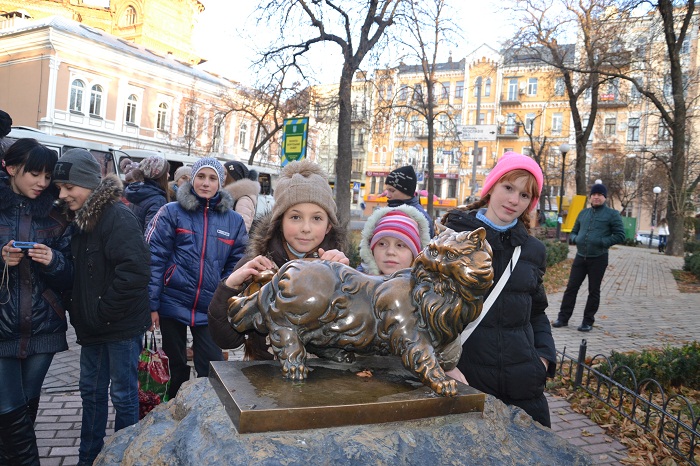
[(154, 376)]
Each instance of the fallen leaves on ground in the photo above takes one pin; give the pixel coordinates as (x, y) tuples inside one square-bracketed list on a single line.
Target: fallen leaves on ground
[(557, 275)]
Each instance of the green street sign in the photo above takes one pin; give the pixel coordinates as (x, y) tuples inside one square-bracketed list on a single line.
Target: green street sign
[(294, 139)]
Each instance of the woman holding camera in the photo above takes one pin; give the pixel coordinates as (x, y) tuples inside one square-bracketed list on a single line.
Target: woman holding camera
[(32, 317)]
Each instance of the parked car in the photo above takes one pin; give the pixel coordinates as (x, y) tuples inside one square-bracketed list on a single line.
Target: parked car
[(643, 239)]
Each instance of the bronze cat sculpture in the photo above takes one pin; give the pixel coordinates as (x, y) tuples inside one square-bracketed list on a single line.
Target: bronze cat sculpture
[(332, 310)]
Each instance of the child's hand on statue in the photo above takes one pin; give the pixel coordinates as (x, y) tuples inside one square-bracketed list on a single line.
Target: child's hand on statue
[(249, 270)]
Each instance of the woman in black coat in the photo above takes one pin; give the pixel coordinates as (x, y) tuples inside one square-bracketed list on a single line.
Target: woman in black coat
[(32, 316), (511, 352)]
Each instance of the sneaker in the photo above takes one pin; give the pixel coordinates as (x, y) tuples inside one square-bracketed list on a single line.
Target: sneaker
[(559, 323), (585, 328)]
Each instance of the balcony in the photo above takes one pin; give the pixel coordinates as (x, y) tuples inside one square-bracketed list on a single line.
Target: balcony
[(510, 100), (359, 115), (610, 101), (508, 131)]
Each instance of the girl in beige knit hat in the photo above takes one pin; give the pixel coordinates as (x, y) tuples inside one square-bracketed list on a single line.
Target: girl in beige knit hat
[(302, 224)]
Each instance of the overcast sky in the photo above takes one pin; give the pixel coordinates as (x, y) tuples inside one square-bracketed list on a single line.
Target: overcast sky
[(224, 24)]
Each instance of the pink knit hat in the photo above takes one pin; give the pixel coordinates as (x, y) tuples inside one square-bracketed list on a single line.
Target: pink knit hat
[(513, 161), (397, 224)]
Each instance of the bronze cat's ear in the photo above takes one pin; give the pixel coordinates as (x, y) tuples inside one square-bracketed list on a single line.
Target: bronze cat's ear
[(478, 235), (440, 227)]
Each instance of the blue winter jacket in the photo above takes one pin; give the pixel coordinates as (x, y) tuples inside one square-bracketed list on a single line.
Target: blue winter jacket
[(194, 243), (32, 315), (145, 199)]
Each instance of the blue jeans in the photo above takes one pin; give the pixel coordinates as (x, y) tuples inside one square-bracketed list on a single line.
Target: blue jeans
[(22, 380), (114, 362)]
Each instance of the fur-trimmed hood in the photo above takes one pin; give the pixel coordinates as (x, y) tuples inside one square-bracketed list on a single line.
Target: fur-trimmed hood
[(39, 207), (243, 187), (189, 201), (368, 263), (107, 193)]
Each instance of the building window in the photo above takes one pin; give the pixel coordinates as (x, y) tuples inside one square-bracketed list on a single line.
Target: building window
[(557, 123), (401, 126), (513, 89), (443, 124), (459, 90), (131, 108), (633, 130), (96, 100), (487, 88), (129, 16), (559, 87), (664, 133), (190, 124), (445, 91), (418, 93), (415, 126), (635, 95), (76, 96), (243, 135), (532, 86), (162, 117), (610, 124), (403, 93), (529, 123), (217, 138), (511, 127), (451, 188)]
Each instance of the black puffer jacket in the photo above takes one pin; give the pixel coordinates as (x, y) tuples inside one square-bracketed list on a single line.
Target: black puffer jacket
[(32, 317), (502, 356), (110, 292)]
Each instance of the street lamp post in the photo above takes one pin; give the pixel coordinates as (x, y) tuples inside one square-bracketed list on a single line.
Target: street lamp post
[(656, 190), (564, 148)]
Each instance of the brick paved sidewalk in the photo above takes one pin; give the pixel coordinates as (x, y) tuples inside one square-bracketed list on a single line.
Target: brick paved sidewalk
[(640, 307)]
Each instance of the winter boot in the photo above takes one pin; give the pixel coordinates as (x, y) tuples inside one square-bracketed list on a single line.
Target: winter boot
[(18, 438), (33, 408)]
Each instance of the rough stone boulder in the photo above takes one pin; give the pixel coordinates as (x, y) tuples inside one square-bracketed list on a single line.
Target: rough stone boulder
[(194, 429)]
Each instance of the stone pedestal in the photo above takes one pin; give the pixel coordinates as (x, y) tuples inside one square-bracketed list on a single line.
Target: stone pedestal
[(194, 429)]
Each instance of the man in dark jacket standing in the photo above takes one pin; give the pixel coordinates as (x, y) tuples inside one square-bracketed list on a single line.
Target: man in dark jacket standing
[(596, 229), (109, 308)]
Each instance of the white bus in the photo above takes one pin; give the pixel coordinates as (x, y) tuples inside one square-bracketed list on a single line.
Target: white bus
[(102, 152)]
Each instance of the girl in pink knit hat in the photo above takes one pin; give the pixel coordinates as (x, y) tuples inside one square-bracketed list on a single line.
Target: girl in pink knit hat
[(511, 352)]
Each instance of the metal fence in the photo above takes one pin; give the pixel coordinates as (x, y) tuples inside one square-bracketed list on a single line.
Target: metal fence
[(670, 418)]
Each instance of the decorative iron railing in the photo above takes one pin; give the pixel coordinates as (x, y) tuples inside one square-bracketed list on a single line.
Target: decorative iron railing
[(671, 418)]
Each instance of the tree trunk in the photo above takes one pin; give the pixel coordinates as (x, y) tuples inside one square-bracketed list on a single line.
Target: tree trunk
[(343, 165)]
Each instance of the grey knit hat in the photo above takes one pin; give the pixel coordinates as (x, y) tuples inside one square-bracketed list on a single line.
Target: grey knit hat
[(79, 168), (301, 182), (210, 162)]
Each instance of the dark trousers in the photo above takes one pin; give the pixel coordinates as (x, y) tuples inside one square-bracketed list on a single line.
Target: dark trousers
[(594, 268), (175, 346)]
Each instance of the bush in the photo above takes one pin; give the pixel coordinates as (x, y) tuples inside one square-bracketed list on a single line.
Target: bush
[(692, 264), (556, 251), (692, 247), (671, 367)]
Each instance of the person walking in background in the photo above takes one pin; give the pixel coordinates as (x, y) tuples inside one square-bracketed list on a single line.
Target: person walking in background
[(244, 188), (109, 306), (663, 235), (32, 316), (302, 224), (597, 228), (149, 195), (195, 242), (181, 176), (5, 128), (400, 186), (511, 352), (391, 239)]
